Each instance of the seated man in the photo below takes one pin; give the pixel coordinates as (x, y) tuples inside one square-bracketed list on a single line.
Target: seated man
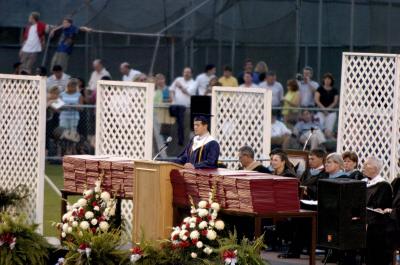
[(379, 196), (203, 150), (280, 134), (246, 158), (314, 172), (310, 129)]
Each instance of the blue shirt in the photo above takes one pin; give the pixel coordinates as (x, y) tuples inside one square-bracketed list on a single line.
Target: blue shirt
[(67, 39)]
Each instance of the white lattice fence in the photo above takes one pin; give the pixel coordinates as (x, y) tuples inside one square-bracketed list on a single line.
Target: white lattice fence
[(124, 124), (369, 114), (241, 116), (22, 139)]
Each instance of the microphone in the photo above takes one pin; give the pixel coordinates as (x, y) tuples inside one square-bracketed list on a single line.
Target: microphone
[(312, 129), (169, 140)]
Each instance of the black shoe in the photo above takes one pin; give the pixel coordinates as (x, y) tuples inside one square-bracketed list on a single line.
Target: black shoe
[(289, 255)]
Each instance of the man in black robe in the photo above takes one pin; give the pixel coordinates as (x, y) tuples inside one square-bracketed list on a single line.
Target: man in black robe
[(379, 197), (246, 159), (203, 150), (313, 173)]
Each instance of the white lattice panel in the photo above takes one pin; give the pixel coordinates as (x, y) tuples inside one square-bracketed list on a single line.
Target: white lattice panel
[(241, 116), (369, 115), (124, 124), (22, 138)]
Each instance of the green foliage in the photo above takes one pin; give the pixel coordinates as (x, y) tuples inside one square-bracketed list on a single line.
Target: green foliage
[(105, 249), (30, 247), (9, 198)]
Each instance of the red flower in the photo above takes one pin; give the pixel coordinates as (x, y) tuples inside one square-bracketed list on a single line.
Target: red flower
[(94, 204), (198, 220), (209, 217), (204, 232), (229, 254), (194, 241), (93, 230), (175, 237), (88, 197), (83, 246), (137, 250), (81, 213)]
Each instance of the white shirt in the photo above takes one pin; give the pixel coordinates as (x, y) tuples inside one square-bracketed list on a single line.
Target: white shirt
[(279, 129), (252, 85), (96, 76), (61, 83), (374, 181), (131, 75), (306, 93), (32, 43), (179, 97), (202, 81), (277, 92)]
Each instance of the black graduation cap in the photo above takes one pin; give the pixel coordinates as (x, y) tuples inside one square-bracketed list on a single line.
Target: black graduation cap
[(203, 117)]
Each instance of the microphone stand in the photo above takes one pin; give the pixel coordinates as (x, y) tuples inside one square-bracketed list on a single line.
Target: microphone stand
[(159, 152)]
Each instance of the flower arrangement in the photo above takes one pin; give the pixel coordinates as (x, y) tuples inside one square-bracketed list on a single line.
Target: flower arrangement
[(93, 213), (198, 232), (13, 197), (19, 242)]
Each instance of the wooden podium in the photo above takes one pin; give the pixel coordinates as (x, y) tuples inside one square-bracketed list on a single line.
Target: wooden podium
[(152, 209)]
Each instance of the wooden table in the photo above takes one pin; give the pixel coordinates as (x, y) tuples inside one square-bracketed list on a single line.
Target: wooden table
[(274, 216)]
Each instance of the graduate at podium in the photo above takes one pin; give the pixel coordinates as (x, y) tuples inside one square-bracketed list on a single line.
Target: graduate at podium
[(203, 150)]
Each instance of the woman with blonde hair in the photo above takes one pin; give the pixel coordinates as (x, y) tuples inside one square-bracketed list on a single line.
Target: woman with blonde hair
[(260, 71), (291, 100)]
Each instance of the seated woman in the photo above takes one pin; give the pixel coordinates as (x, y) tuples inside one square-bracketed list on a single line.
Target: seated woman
[(291, 100), (282, 166), (350, 165), (334, 166)]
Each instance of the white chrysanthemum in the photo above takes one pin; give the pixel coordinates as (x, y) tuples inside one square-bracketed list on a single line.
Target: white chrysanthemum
[(96, 208), (71, 219), (63, 234), (88, 192), (182, 233), (215, 206), (202, 204), (219, 225), (82, 202), (211, 235), (199, 244), (193, 220), (208, 250), (184, 238), (69, 207), (66, 216), (89, 215), (135, 257), (192, 225), (183, 227), (105, 196), (203, 212), (177, 228), (193, 255), (84, 225), (104, 226), (69, 231), (94, 221), (214, 215), (194, 234), (193, 210), (203, 225), (97, 186), (74, 224), (211, 223), (186, 220), (65, 228)]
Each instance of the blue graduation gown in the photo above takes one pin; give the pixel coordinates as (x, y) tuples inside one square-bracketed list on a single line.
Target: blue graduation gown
[(203, 157)]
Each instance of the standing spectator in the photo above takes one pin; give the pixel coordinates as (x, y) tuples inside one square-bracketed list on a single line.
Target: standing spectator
[(69, 117), (180, 92), (280, 134), (98, 73), (41, 71), (276, 88), (247, 68), (228, 79), (248, 81), (260, 71), (213, 82), (52, 120), (307, 88), (58, 78), (162, 90), (66, 42), (291, 100), (17, 68), (34, 38), (128, 73), (327, 97), (307, 128), (203, 79)]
